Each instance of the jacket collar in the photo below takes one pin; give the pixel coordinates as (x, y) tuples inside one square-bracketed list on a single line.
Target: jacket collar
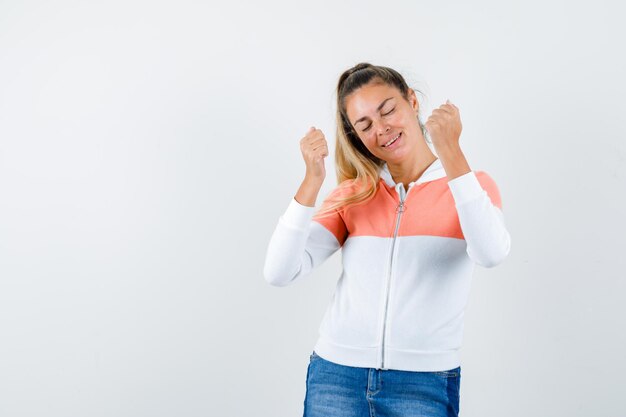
[(433, 172)]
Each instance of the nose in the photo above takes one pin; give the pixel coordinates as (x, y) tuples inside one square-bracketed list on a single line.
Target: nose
[(383, 128)]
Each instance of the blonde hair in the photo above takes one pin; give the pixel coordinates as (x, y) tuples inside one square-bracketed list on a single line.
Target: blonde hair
[(356, 167)]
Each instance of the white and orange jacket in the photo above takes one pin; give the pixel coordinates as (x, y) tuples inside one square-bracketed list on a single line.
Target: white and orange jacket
[(408, 259)]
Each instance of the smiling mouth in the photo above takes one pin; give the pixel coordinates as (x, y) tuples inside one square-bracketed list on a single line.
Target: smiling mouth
[(392, 140)]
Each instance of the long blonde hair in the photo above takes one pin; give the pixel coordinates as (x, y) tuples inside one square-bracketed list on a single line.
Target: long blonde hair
[(356, 167)]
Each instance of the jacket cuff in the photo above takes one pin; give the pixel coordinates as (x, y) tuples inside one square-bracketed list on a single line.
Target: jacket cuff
[(298, 215), (465, 188)]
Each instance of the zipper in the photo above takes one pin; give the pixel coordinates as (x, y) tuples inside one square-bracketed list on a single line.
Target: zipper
[(399, 210)]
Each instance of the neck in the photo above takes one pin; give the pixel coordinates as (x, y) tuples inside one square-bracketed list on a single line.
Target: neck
[(411, 168)]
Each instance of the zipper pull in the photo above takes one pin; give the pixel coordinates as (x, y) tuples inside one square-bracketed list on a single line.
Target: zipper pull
[(400, 208)]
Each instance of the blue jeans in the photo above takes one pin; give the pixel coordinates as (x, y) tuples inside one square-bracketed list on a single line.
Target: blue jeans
[(346, 391)]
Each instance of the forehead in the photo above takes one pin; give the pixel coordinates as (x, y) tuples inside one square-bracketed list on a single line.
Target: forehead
[(365, 100)]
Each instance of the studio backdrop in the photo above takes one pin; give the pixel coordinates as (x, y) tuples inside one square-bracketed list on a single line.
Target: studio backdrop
[(148, 148)]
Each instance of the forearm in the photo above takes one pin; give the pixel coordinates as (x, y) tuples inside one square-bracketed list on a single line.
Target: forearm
[(297, 245), (453, 161), (283, 258), (308, 191), (488, 240)]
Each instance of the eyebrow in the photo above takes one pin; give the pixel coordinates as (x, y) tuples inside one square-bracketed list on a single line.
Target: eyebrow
[(377, 109)]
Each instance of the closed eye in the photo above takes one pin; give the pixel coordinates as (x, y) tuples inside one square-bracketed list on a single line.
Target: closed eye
[(384, 114)]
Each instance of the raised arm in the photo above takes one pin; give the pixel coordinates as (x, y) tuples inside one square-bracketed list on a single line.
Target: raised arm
[(298, 243), (475, 194)]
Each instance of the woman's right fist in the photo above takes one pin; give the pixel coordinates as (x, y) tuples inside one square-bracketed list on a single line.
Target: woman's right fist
[(314, 149)]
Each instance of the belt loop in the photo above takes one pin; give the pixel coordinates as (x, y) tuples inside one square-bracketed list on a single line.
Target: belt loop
[(373, 381)]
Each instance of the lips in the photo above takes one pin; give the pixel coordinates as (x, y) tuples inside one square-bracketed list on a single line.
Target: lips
[(392, 141)]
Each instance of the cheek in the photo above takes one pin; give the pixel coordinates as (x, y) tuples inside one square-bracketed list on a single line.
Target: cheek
[(369, 139), (405, 122), (403, 119)]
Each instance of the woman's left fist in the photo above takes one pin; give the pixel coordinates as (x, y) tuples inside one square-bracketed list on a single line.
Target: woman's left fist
[(444, 126)]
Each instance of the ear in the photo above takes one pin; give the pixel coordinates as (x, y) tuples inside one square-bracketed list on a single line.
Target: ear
[(413, 100)]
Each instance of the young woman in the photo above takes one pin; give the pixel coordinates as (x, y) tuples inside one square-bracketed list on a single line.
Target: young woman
[(411, 226)]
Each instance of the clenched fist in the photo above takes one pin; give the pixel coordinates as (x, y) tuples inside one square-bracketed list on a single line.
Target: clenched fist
[(444, 126), (314, 149)]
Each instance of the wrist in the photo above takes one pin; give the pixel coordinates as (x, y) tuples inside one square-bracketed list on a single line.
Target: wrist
[(449, 151), (313, 180)]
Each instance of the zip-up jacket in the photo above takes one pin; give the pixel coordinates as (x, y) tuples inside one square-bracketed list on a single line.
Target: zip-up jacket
[(408, 259)]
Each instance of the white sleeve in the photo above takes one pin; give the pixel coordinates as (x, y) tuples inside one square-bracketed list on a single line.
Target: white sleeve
[(297, 246), (482, 222)]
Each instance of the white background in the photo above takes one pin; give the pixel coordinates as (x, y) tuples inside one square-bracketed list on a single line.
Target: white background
[(147, 149)]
